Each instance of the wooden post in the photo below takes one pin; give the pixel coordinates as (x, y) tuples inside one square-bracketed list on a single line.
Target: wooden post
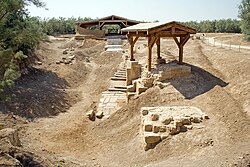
[(132, 41), (158, 43), (181, 43), (151, 41), (149, 58), (132, 53), (181, 54)]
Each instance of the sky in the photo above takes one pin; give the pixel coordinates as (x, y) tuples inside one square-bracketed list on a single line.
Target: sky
[(141, 10)]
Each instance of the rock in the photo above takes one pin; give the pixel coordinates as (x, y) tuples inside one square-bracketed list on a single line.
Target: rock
[(7, 160), (67, 61), (72, 49), (205, 116), (156, 129), (196, 119), (65, 52), (174, 130), (91, 114), (58, 62), (186, 121), (72, 57), (148, 127), (154, 117), (151, 138), (183, 129), (144, 112), (162, 129), (11, 135), (99, 114), (166, 119), (1, 126), (39, 63), (178, 123)]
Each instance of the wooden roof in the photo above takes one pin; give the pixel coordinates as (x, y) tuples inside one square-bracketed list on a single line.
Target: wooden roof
[(113, 19), (168, 29), (154, 32)]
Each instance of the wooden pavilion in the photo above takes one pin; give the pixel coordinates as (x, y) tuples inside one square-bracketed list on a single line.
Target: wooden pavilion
[(154, 32), (113, 19)]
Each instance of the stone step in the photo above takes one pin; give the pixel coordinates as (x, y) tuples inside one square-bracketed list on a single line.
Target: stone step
[(120, 75), (118, 89), (118, 78), (123, 72), (113, 93), (130, 94), (122, 67)]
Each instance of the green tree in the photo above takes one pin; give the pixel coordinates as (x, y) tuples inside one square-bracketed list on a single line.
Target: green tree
[(19, 35), (244, 14)]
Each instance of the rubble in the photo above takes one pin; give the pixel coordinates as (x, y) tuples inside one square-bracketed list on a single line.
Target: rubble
[(91, 115), (11, 135), (160, 122)]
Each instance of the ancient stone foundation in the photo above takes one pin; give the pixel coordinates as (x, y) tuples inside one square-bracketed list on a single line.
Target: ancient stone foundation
[(159, 123)]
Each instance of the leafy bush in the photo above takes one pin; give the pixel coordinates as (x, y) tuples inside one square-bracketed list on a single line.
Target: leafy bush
[(19, 34)]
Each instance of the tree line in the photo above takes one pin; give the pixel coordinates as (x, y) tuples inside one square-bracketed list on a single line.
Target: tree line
[(67, 25), (216, 26)]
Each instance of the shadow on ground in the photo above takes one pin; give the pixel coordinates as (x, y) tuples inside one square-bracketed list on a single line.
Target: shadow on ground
[(38, 94), (201, 81)]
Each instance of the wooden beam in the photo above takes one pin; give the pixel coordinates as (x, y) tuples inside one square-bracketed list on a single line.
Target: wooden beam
[(169, 33), (113, 21), (181, 43), (149, 52), (181, 54), (123, 24), (163, 27), (169, 27), (158, 43), (173, 30), (137, 34), (188, 30), (102, 24), (185, 39), (151, 40), (176, 41)]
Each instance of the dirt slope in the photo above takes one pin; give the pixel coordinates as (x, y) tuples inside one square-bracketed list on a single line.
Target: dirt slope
[(218, 86)]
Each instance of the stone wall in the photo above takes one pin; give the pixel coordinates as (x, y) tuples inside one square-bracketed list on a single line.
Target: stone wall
[(90, 33), (169, 71), (133, 71), (159, 123)]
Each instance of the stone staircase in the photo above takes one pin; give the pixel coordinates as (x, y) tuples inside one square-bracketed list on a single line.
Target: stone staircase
[(118, 82), (116, 96)]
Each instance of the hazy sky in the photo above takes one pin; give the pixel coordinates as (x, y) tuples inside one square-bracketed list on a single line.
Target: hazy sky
[(141, 10)]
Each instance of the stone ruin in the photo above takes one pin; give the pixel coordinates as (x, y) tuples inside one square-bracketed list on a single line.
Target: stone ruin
[(159, 123), (139, 79)]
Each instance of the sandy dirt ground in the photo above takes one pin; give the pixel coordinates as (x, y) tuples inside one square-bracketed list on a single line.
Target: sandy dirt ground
[(51, 117)]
